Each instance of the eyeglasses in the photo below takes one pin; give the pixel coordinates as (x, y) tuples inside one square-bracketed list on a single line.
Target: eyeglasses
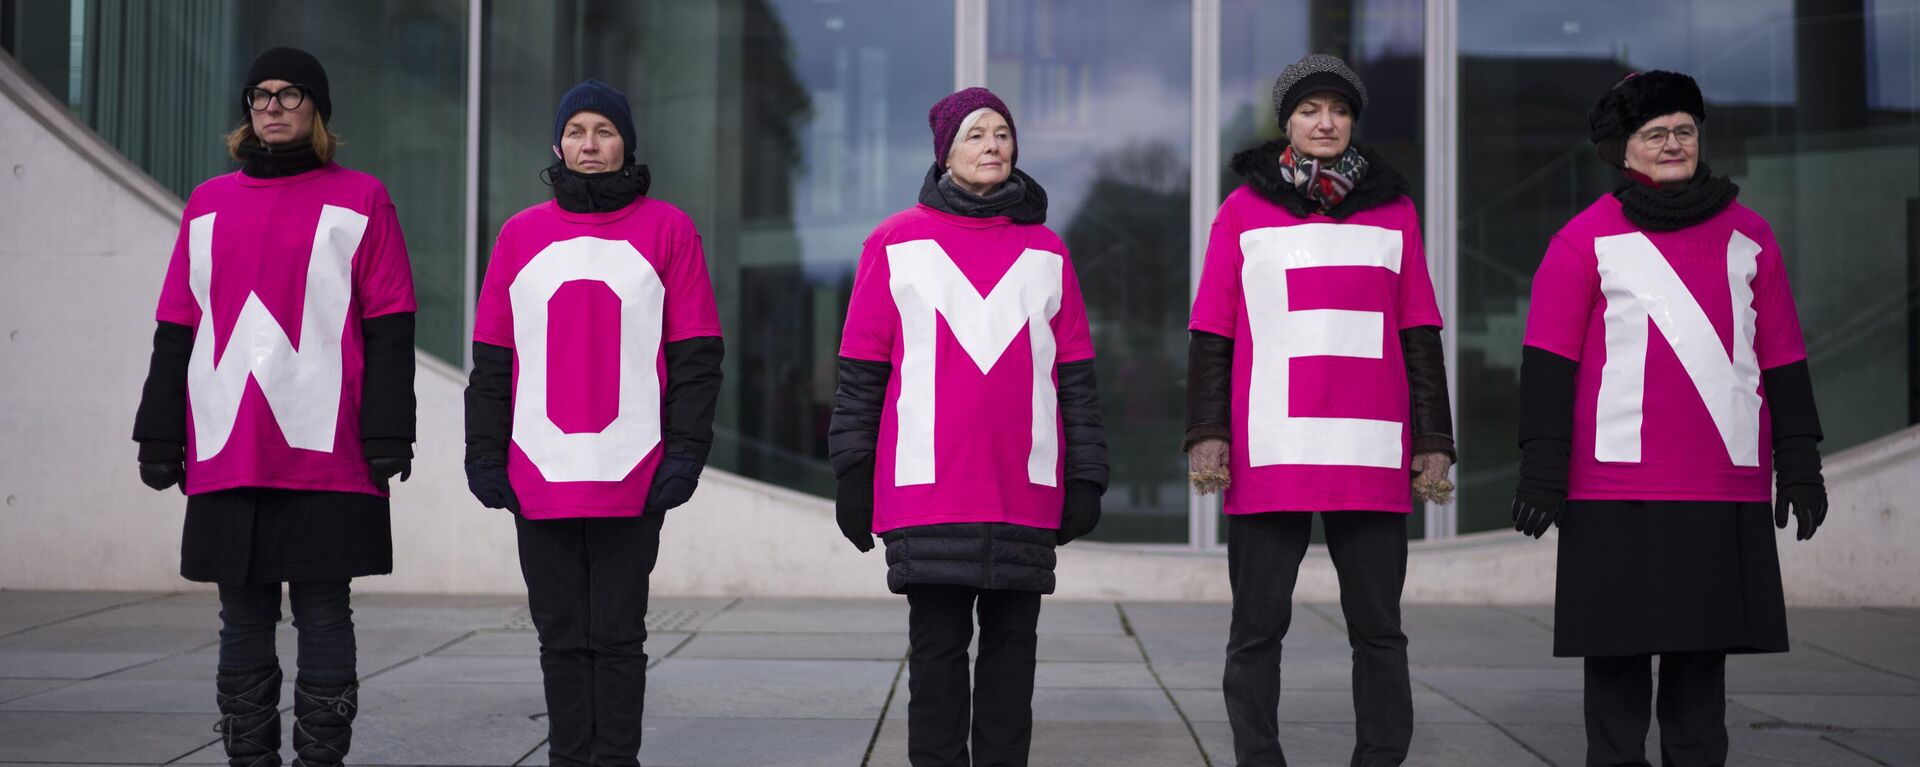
[(290, 98), (1685, 134)]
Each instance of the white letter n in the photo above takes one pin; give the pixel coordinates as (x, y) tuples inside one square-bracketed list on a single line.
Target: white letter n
[(1640, 285)]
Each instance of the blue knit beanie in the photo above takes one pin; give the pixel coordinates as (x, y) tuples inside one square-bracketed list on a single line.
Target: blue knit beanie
[(599, 98)]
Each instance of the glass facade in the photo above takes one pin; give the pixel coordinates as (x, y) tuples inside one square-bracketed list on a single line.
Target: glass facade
[(161, 83), (1811, 110), (788, 128)]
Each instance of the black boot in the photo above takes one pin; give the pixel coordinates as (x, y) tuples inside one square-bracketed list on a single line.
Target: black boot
[(323, 722), (249, 716)]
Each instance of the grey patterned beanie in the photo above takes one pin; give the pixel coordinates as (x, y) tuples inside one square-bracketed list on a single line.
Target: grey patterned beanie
[(1316, 73)]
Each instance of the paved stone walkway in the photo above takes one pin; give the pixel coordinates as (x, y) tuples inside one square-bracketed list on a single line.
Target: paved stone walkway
[(108, 678)]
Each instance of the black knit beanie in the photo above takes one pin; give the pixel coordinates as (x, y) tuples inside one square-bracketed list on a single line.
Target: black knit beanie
[(601, 99), (1635, 100), (295, 66)]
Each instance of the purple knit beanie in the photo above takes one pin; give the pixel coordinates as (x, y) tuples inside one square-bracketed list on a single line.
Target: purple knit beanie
[(945, 118)]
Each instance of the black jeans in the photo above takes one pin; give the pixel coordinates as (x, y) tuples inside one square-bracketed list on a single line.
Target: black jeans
[(587, 590), (1369, 550), (1692, 705), (249, 612), (1000, 712)]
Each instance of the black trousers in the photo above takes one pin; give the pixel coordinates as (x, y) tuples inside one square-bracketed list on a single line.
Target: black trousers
[(939, 627), (1692, 705), (587, 589), (1369, 552), (250, 611)]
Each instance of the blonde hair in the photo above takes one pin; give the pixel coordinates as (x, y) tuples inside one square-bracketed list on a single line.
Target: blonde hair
[(325, 142)]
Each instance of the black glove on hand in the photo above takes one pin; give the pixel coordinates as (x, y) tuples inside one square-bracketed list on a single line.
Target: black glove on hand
[(163, 465), (1542, 492), (161, 475), (673, 483), (384, 468), (487, 480), (853, 506), (1801, 488), (1808, 504), (1081, 511)]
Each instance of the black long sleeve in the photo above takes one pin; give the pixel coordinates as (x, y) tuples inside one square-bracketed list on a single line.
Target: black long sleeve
[(1796, 424), (1085, 457), (386, 390), (693, 394), (1209, 388), (1432, 413), (489, 403), (1546, 421), (855, 429), (160, 423)]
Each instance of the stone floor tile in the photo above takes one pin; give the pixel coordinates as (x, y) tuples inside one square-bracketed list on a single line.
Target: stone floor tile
[(68, 665), (831, 616), (77, 737), (795, 646), (769, 689), (1069, 675)]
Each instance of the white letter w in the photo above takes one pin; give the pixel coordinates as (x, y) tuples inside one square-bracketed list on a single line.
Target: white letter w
[(302, 384), (925, 283)]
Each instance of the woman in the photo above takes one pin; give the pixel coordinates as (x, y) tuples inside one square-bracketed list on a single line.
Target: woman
[(286, 336), (1663, 357), (958, 461), (596, 367), (1331, 407)]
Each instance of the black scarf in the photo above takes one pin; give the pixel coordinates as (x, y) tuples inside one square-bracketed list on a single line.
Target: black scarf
[(259, 160), (1664, 210), (1260, 166), (596, 192), (1019, 198)]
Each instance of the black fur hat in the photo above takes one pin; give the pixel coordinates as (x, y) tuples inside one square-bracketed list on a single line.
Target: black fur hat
[(1634, 101)]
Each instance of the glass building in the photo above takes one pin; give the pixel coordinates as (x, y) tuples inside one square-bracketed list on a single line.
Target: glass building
[(789, 128)]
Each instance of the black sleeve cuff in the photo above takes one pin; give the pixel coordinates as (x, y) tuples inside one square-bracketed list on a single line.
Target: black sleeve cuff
[(692, 396), (162, 414), (162, 451), (1790, 402), (1546, 395), (1209, 386), (489, 398), (387, 398)]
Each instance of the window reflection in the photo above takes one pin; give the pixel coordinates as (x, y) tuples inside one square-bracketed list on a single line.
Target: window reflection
[(1100, 91)]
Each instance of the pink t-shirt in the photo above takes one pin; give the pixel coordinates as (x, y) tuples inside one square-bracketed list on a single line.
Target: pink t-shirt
[(974, 314), (1671, 330), (1315, 306), (274, 276), (588, 302)]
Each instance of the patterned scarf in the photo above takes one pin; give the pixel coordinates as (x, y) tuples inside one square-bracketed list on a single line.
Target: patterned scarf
[(1327, 183)]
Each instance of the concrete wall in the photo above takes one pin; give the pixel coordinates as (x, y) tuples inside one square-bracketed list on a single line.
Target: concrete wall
[(84, 238)]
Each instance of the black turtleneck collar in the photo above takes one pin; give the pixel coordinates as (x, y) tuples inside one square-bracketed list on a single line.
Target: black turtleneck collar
[(1656, 209), (1019, 198), (578, 192), (1260, 166), (259, 160)]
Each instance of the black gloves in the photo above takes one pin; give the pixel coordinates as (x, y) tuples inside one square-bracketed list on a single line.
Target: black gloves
[(1800, 487), (673, 483), (853, 506), (1542, 493), (163, 464), (487, 480), (384, 468), (1081, 511)]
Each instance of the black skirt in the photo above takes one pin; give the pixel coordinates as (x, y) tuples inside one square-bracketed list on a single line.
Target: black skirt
[(263, 535), (1647, 577)]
